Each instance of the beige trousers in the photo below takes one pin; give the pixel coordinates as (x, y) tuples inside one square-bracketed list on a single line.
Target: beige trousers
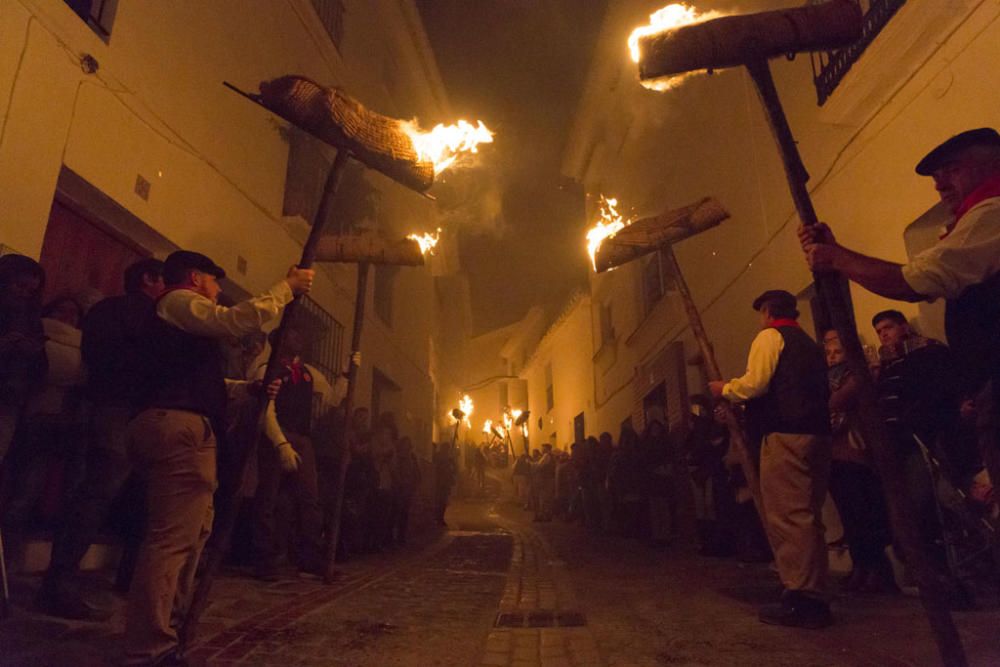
[(794, 473), (174, 451)]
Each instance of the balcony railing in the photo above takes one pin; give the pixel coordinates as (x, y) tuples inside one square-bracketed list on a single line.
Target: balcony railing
[(831, 67)]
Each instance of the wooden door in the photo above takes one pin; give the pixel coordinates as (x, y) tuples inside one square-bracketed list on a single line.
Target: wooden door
[(78, 254)]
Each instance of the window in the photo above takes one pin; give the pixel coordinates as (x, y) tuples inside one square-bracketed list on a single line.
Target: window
[(652, 284), (550, 399), (98, 14), (607, 324), (331, 15), (504, 396), (829, 68), (579, 428), (385, 278)]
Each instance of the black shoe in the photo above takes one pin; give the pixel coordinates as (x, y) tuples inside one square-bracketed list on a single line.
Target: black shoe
[(797, 611), (58, 602)]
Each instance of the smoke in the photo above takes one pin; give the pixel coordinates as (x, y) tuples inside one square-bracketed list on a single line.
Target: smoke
[(470, 200)]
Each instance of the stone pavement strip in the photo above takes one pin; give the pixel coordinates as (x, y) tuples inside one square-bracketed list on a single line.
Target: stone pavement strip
[(539, 623)]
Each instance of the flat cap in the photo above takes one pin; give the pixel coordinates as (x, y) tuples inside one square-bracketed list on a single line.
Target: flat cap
[(778, 297), (984, 136), (179, 262)]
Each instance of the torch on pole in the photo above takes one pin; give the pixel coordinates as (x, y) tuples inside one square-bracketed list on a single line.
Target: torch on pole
[(750, 41), (393, 147), (660, 233)]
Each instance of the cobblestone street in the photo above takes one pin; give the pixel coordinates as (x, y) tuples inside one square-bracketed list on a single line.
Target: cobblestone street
[(499, 590)]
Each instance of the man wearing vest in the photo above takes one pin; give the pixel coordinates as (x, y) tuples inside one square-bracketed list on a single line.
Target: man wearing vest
[(173, 439), (786, 393), (963, 267), (292, 458)]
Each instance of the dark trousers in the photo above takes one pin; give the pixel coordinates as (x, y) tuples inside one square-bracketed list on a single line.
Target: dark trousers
[(303, 487), (441, 494), (401, 517), (107, 469), (857, 492)]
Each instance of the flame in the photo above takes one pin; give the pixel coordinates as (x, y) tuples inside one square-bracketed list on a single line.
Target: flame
[(445, 144), (465, 405), (507, 421), (427, 242), (488, 426), (663, 20), (611, 223)]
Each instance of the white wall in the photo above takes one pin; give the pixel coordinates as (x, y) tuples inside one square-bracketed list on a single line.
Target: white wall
[(928, 76), (216, 162)]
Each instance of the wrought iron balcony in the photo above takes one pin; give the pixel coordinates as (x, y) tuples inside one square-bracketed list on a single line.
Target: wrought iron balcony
[(831, 67)]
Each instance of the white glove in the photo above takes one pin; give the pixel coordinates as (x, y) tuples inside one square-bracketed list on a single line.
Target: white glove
[(289, 458)]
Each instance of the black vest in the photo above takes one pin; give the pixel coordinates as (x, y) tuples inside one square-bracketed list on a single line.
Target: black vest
[(798, 396), (185, 372), (972, 325), (294, 403)]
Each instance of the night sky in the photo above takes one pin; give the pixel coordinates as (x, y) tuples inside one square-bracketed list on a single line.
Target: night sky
[(519, 65)]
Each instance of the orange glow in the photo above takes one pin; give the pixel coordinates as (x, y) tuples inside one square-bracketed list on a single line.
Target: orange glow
[(466, 405), (663, 20), (611, 223), (427, 242), (446, 144), (488, 426)]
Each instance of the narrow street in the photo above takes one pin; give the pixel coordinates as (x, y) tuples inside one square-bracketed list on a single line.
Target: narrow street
[(497, 589)]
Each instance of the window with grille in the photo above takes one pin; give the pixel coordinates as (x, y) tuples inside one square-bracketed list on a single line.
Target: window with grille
[(98, 14), (331, 15), (324, 337), (830, 68)]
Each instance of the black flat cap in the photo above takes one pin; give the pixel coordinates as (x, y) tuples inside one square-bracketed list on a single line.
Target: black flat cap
[(779, 297), (984, 136), (178, 263)]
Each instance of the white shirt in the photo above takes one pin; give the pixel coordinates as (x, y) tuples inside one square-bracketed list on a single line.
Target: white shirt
[(761, 363), (189, 311), (967, 256)]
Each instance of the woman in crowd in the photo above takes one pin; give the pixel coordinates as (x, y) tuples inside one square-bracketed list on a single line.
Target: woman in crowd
[(854, 485)]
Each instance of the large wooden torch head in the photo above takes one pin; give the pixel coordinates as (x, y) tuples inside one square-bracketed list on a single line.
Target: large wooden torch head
[(731, 41)]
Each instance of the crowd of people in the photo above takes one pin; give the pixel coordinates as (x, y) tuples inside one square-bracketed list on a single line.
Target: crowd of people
[(122, 416)]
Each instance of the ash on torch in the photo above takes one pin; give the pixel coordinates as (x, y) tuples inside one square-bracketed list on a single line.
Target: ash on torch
[(750, 41)]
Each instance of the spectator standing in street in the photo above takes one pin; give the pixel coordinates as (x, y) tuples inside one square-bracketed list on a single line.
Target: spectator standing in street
[(360, 482), (854, 484), (408, 477), (705, 450), (625, 484), (290, 463), (22, 340), (384, 441), (785, 388), (54, 424), (114, 348), (172, 441), (544, 473), (521, 476), (444, 479), (658, 458)]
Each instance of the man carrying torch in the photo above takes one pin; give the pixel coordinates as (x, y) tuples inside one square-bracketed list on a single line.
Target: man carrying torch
[(785, 389), (963, 267), (173, 439)]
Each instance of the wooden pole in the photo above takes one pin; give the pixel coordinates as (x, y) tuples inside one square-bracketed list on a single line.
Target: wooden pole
[(4, 587), (737, 436), (828, 285), (228, 498), (333, 534)]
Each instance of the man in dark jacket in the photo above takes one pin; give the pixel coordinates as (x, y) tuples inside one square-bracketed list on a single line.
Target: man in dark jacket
[(785, 388), (114, 350)]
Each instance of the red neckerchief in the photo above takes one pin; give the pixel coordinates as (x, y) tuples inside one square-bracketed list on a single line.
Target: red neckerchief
[(296, 368), (785, 323), (991, 188)]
